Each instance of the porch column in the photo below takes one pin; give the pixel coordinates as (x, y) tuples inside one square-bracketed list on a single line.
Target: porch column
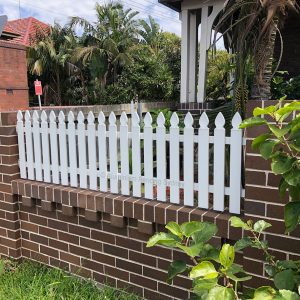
[(193, 57), (203, 55), (207, 21), (185, 53)]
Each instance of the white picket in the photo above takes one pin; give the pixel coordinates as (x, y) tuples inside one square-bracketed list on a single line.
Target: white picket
[(37, 146), (63, 148), (71, 146), (21, 143), (203, 162), (113, 154), (92, 151), (82, 151), (72, 150), (124, 152), (136, 155), (102, 143), (54, 148), (174, 159), (188, 160), (148, 156), (45, 147), (236, 140), (29, 145), (219, 163), (161, 157)]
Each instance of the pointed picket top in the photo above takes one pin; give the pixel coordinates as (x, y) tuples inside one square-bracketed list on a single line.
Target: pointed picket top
[(135, 119), (91, 118), (236, 121), (161, 120), (80, 117), (188, 120), (35, 116), (71, 117), (112, 118), (123, 119), (61, 117), (101, 118), (44, 116), (27, 116), (220, 121), (174, 120), (20, 116), (204, 121), (148, 120), (52, 116)]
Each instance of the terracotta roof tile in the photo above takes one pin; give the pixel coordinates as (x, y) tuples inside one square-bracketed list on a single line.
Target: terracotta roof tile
[(27, 29)]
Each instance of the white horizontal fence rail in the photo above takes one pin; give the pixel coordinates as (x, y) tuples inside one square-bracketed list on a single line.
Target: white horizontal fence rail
[(185, 166)]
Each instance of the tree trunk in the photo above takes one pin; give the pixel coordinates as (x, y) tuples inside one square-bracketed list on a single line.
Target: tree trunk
[(58, 88), (263, 62)]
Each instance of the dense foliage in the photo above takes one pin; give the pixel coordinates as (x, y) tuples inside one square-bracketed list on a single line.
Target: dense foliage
[(115, 59)]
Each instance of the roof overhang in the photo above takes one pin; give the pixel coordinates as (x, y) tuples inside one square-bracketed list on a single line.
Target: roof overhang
[(173, 4)]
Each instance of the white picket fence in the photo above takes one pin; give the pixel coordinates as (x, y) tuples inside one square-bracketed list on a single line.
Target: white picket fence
[(154, 163)]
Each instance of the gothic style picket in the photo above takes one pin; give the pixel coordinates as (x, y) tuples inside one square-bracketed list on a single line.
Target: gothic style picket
[(148, 160)]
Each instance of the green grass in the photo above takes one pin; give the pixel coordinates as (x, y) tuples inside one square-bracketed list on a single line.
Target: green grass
[(32, 281)]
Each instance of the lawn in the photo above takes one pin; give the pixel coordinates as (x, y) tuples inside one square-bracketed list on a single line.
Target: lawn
[(32, 281)]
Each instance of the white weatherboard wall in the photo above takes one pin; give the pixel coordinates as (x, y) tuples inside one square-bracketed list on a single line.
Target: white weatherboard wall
[(149, 160)]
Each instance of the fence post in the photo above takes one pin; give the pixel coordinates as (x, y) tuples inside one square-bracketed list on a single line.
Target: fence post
[(188, 160), (174, 159), (203, 161), (219, 163), (148, 155)]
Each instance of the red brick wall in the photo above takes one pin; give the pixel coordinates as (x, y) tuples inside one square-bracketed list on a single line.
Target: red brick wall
[(13, 77), (103, 236), (262, 201)]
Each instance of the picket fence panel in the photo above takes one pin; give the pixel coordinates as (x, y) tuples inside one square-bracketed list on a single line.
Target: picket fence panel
[(177, 165)]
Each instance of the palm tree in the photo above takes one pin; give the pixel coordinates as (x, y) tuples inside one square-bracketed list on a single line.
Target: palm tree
[(252, 26), (49, 57), (151, 34), (107, 41)]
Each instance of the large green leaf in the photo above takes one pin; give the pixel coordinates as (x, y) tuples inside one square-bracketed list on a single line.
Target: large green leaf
[(261, 225), (260, 139), (204, 284), (288, 108), (205, 269), (190, 228), (163, 238), (221, 293), (291, 216), (175, 229), (251, 122), (288, 295), (237, 222), (193, 250), (279, 132), (264, 111), (264, 293), (284, 280), (293, 176), (282, 164), (207, 232), (175, 268), (266, 148), (242, 243), (227, 255)]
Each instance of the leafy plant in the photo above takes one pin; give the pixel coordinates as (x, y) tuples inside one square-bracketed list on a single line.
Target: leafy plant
[(281, 144), (213, 270), (285, 87)]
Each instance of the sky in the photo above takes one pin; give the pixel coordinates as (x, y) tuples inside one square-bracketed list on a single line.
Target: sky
[(60, 10)]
